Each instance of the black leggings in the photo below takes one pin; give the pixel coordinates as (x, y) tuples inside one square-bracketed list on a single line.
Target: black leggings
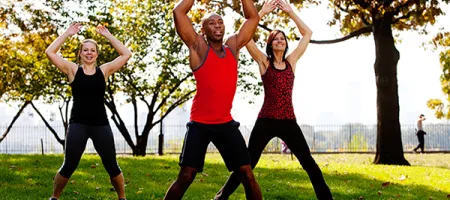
[(76, 139), (289, 131)]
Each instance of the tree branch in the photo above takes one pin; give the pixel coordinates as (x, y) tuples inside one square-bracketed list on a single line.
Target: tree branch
[(363, 3), (120, 124), (60, 108), (154, 99), (367, 29), (364, 20), (347, 10), (174, 105), (133, 101), (343, 9), (400, 7), (130, 81), (408, 15), (67, 115), (163, 101), (14, 120), (48, 125)]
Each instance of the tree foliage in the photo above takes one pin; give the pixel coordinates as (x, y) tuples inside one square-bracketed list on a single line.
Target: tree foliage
[(157, 77), (441, 107)]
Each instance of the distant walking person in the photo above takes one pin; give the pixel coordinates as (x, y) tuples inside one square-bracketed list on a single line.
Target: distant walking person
[(420, 134), (88, 117)]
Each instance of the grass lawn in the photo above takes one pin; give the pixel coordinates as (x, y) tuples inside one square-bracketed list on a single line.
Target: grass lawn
[(349, 176)]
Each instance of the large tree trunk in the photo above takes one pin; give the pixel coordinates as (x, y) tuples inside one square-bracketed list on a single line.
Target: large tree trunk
[(142, 140), (141, 145), (389, 141), (25, 104)]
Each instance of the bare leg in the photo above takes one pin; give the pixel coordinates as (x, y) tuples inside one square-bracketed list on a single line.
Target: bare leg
[(58, 185), (184, 180), (119, 185), (252, 190)]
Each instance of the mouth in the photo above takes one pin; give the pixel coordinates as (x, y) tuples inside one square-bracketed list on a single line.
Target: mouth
[(89, 57), (218, 33)]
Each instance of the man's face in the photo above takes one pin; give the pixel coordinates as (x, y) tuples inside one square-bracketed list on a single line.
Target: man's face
[(214, 28)]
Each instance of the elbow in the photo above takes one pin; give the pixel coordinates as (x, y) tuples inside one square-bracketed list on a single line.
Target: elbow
[(177, 11), (48, 52), (257, 17), (127, 54), (253, 16), (307, 33)]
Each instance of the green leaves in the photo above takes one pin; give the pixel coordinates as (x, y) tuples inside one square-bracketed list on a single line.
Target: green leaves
[(442, 109)]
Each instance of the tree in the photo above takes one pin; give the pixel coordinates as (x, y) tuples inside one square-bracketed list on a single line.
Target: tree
[(31, 77), (442, 109), (157, 76), (163, 82)]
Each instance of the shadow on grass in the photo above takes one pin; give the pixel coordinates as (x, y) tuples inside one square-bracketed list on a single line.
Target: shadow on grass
[(30, 177)]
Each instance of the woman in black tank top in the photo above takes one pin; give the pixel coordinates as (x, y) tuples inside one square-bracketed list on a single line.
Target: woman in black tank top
[(88, 117)]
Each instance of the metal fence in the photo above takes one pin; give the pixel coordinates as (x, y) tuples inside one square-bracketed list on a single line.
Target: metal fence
[(320, 138)]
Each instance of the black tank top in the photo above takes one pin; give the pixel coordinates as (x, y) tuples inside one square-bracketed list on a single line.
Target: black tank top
[(88, 93)]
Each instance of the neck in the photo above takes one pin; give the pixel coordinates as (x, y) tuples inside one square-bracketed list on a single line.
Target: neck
[(89, 66), (278, 57), (217, 46)]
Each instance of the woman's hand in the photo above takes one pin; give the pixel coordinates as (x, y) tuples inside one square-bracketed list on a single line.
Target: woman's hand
[(284, 6), (103, 31), (73, 29), (269, 6)]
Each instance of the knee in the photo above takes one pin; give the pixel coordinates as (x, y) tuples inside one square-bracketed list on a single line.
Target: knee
[(308, 163), (113, 170), (67, 170), (186, 176), (246, 174)]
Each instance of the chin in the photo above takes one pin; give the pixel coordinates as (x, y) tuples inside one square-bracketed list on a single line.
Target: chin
[(217, 39), (89, 62), (283, 49)]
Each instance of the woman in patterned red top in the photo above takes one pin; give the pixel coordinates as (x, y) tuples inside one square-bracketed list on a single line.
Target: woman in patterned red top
[(277, 118)]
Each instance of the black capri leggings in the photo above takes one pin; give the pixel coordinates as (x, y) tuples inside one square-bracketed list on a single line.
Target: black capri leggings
[(76, 139), (289, 131)]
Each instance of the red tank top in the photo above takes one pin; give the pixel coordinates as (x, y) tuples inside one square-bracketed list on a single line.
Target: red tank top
[(278, 85), (216, 86)]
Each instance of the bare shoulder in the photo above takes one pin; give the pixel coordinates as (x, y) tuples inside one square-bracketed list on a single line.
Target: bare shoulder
[(73, 68), (231, 43), (197, 53)]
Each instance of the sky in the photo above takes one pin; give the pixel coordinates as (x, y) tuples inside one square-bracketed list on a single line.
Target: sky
[(334, 83)]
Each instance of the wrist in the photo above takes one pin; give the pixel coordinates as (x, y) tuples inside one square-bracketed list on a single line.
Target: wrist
[(67, 34), (109, 37), (291, 13), (262, 14)]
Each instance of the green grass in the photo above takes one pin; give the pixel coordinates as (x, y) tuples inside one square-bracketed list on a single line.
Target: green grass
[(349, 176)]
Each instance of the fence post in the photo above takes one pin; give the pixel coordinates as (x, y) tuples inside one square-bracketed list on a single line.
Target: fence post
[(161, 139), (350, 138), (314, 141), (42, 146)]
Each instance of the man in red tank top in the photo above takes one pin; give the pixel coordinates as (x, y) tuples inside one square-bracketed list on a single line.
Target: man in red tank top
[(214, 64)]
